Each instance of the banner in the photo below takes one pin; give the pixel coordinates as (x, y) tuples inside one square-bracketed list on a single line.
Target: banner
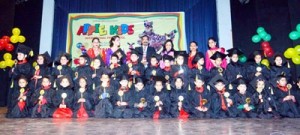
[(159, 26)]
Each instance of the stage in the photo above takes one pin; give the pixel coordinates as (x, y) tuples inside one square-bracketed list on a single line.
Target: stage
[(148, 126)]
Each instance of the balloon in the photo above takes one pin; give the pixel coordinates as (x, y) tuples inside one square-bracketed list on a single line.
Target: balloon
[(265, 62), (10, 63), (263, 34), (256, 38), (270, 53), (260, 29), (1, 47), (9, 47), (294, 35), (268, 37), (265, 44), (7, 56), (78, 45), (290, 52), (242, 58), (34, 64), (298, 27), (16, 31), (21, 39), (296, 59), (2, 42), (297, 48), (2, 64), (14, 39), (267, 49)]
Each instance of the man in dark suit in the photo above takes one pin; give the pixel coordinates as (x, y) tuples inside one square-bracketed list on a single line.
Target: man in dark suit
[(147, 51)]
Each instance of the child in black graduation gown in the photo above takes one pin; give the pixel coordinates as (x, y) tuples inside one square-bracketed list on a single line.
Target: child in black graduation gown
[(286, 100), (63, 98), (103, 97), (116, 68), (222, 104), (179, 100), (140, 100), (63, 67), (180, 68), (20, 99), (263, 101), (42, 100), (84, 68), (22, 67), (167, 60), (159, 101), (234, 68), (123, 100), (254, 68), (200, 99), (41, 69), (98, 68), (83, 100), (242, 100), (218, 57), (280, 66), (199, 67), (153, 69), (296, 92), (134, 67)]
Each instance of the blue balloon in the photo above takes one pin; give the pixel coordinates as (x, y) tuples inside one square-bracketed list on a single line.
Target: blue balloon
[(79, 45)]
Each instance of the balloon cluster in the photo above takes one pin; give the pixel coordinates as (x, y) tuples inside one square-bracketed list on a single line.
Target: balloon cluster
[(8, 62), (5, 44), (16, 37), (261, 34), (81, 47), (268, 51), (293, 53), (294, 35)]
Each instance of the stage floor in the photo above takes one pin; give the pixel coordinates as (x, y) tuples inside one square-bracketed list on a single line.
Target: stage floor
[(148, 126)]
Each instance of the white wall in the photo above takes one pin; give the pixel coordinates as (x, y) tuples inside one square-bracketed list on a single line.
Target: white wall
[(224, 23), (47, 26)]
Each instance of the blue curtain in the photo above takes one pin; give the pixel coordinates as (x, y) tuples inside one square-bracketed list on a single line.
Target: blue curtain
[(200, 16)]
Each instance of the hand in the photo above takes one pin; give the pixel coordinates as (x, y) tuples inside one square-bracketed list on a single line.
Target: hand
[(59, 76), (260, 96), (205, 109), (41, 97), (12, 70), (157, 104), (160, 103), (257, 74), (24, 97), (246, 106), (140, 105), (180, 71), (94, 75), (123, 103), (118, 103), (269, 109), (199, 108), (133, 72), (239, 76), (62, 106), (180, 104)]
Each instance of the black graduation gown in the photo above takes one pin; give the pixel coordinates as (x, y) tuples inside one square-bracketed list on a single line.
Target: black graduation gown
[(42, 71), (66, 70), (279, 70), (123, 111), (202, 99), (96, 79), (216, 107), (84, 70), (68, 101), (174, 97), (83, 109), (240, 100), (296, 92), (141, 96), (103, 98), (138, 67), (165, 107), (42, 108), (200, 72), (232, 70), (251, 71), (262, 105), (19, 107), (153, 71), (215, 71), (286, 108), (185, 75), (117, 72)]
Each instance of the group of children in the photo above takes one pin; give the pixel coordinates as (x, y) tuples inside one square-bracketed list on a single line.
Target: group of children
[(135, 90)]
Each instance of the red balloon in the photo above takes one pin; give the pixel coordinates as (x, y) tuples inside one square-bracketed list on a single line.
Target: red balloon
[(265, 44), (1, 47), (2, 42), (9, 47), (270, 54), (6, 38), (267, 49)]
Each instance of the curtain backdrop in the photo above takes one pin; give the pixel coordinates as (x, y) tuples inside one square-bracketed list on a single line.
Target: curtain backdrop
[(200, 16)]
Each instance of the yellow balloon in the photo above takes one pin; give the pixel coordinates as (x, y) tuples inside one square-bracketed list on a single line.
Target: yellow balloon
[(21, 39), (7, 56), (297, 48), (10, 63), (34, 64), (296, 60), (14, 39), (2, 64), (265, 62), (16, 31)]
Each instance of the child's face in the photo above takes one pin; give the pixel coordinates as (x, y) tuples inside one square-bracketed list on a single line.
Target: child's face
[(282, 81), (168, 46), (22, 83), (178, 83), (218, 62), (278, 61), (104, 78), (124, 83), (158, 86), (64, 82), (234, 58), (21, 56), (199, 83), (139, 86), (193, 47), (40, 60), (220, 86), (153, 61), (201, 61), (257, 58), (46, 82), (260, 85), (167, 63), (97, 63), (63, 60), (242, 88), (180, 60), (134, 57), (82, 61), (82, 83), (114, 60)]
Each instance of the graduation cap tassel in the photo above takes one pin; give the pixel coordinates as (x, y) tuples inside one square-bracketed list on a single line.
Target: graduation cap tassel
[(189, 87), (230, 86), (168, 87), (272, 92), (288, 65), (94, 86), (12, 84), (54, 85)]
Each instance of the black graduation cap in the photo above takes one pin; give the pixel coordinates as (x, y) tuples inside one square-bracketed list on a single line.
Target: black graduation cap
[(156, 56), (282, 75), (181, 53), (197, 57), (217, 78), (256, 52), (24, 49), (200, 77), (239, 81), (234, 51), (136, 51), (159, 78), (47, 58), (168, 57), (218, 54), (87, 58), (139, 80), (253, 83)]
